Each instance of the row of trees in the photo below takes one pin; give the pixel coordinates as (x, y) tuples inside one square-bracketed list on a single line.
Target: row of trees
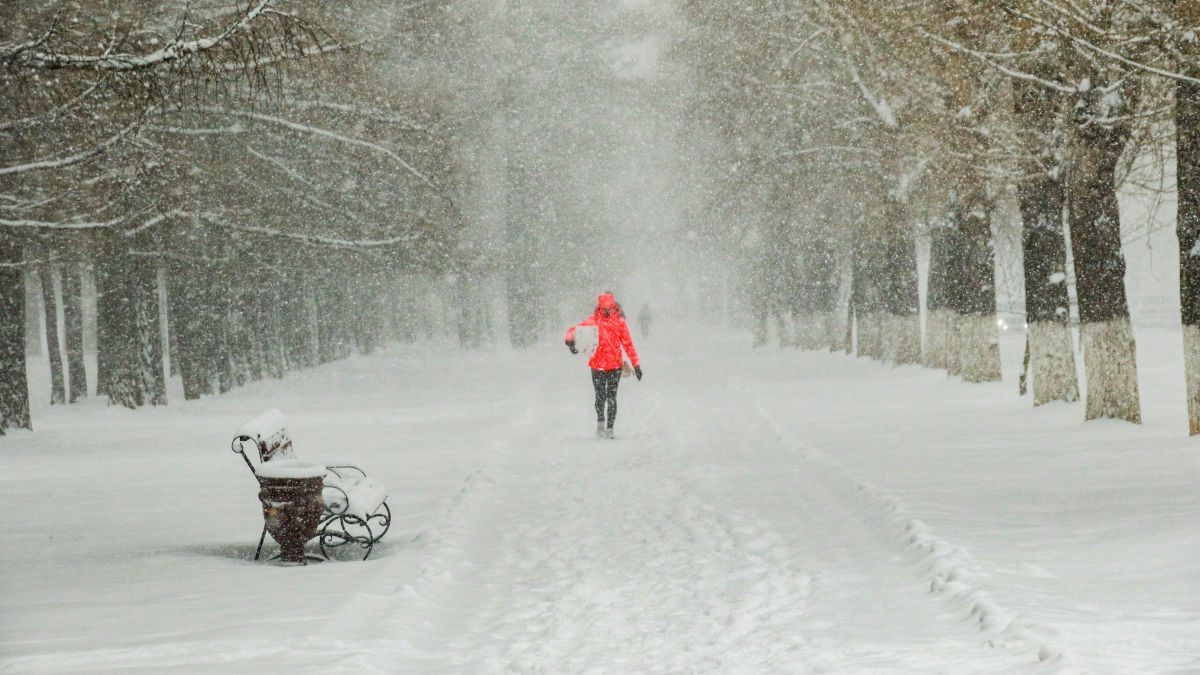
[(851, 130), (252, 163)]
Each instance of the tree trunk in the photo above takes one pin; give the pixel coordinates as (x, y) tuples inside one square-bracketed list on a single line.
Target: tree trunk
[(333, 318), (270, 332), (312, 325), (866, 297), (938, 287), (33, 313), (1042, 198), (235, 346), (1109, 353), (978, 345), (14, 389), (1047, 308), (58, 392), (900, 298), (1187, 157), (195, 325), (129, 339), (817, 300), (72, 297)]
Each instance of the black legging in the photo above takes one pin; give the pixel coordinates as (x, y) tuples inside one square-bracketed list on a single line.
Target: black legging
[(605, 383)]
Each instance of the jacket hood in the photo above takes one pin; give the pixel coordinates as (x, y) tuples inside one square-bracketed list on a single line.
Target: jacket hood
[(606, 301)]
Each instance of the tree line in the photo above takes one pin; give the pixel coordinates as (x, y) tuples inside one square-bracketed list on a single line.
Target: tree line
[(851, 129), (249, 163)]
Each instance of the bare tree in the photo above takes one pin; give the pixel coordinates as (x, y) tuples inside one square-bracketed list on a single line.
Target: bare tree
[(1187, 158)]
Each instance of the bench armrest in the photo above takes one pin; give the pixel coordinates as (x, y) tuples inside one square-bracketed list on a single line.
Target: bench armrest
[(346, 471), (239, 446)]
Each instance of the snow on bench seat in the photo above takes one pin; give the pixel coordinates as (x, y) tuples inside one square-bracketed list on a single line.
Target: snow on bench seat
[(353, 495)]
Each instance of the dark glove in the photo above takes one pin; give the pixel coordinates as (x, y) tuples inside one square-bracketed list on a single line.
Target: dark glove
[(571, 346), (637, 370)]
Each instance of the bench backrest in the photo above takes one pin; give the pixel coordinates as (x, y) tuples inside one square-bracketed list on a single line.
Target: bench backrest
[(268, 431)]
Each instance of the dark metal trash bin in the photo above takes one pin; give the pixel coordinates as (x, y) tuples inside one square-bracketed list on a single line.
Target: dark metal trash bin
[(292, 506)]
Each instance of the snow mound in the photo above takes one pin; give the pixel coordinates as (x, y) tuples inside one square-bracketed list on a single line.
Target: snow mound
[(950, 570), (954, 575)]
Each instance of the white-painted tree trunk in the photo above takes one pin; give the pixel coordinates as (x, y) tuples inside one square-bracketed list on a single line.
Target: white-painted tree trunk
[(835, 330), (1052, 362), (1109, 354), (953, 352), (979, 348), (813, 331), (870, 335), (937, 338), (1191, 366), (902, 341)]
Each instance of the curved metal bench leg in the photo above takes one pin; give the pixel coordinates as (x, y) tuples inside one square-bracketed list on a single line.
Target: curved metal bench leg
[(369, 544), (386, 517), (262, 538), (323, 535)]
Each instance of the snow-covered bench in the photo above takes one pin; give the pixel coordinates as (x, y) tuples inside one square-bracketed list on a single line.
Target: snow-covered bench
[(356, 510)]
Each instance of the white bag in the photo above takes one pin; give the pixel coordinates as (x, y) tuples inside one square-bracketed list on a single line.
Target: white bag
[(586, 339)]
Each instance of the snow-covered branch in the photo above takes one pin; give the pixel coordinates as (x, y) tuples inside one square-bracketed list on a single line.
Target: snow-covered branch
[(54, 112), (76, 158), (311, 239), (878, 102), (316, 50), (46, 225), (31, 57), (376, 114), (1011, 72), (1107, 53), (333, 135)]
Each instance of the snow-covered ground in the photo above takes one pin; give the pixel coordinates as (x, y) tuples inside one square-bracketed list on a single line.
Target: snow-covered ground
[(760, 511)]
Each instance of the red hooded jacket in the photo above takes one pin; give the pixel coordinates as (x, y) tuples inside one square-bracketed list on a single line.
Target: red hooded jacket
[(612, 335)]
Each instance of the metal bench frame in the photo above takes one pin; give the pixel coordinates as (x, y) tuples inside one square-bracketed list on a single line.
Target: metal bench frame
[(338, 528)]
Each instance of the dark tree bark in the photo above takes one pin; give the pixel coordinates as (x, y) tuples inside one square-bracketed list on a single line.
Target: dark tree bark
[(72, 297), (867, 294), (900, 296), (298, 320), (1109, 354), (974, 299), (272, 339), (1042, 197), (235, 348), (33, 313), (523, 289), (469, 317), (937, 312), (129, 339), (816, 318), (524, 317), (58, 392), (14, 389), (1187, 157), (195, 323), (334, 317)]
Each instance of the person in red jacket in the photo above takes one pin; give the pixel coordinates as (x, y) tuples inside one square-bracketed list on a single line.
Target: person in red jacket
[(612, 336)]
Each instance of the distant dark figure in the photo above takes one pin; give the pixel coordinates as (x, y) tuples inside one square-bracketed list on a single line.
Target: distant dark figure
[(644, 318), (612, 336)]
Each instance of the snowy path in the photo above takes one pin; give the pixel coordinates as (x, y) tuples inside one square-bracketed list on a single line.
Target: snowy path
[(748, 518), (694, 542)]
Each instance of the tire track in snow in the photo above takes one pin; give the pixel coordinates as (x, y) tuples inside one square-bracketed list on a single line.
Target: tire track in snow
[(950, 570)]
